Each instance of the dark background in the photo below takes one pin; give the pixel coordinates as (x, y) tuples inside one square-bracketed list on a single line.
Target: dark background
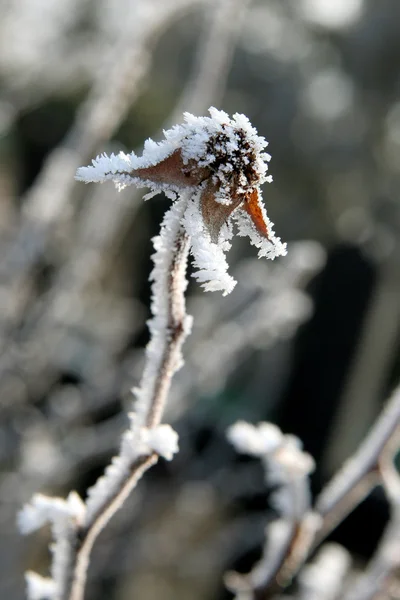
[(310, 342)]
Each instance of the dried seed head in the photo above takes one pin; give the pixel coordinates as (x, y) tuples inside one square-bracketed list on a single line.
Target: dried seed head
[(223, 160)]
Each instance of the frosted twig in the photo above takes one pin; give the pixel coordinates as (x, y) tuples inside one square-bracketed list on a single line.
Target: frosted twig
[(361, 473), (168, 329), (288, 467), (375, 583), (146, 439), (371, 464), (215, 167), (358, 476), (349, 487)]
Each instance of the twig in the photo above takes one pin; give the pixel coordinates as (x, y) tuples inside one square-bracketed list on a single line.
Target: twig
[(371, 464), (162, 360), (288, 467), (375, 582), (361, 473), (358, 476), (88, 536), (353, 482)]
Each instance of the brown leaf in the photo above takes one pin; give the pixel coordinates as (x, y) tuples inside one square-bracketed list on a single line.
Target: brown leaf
[(214, 213), (252, 205), (173, 171)]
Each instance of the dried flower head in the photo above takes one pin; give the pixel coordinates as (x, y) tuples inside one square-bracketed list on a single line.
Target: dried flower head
[(223, 161)]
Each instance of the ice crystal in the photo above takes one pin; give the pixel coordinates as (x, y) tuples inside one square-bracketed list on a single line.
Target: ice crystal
[(39, 588)]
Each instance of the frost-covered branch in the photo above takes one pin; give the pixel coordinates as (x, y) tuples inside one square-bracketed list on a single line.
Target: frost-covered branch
[(142, 443), (287, 467), (212, 169), (380, 575), (291, 539), (371, 465), (361, 473)]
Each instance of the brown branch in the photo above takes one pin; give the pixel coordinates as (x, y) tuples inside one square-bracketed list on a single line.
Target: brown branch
[(361, 473), (86, 537)]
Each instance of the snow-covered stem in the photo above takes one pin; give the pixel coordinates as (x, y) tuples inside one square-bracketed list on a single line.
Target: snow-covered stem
[(170, 324), (371, 465), (367, 468), (168, 329), (76, 525), (87, 537), (300, 531), (287, 467), (380, 574), (212, 169)]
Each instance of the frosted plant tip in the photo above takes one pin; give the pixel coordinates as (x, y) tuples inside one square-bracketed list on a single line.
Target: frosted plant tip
[(221, 161)]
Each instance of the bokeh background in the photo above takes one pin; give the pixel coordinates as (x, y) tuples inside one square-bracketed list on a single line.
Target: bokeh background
[(310, 342)]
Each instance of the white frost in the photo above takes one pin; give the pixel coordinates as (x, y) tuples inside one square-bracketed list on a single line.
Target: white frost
[(192, 138), (271, 248), (163, 440), (162, 258), (258, 440), (65, 516), (44, 509), (137, 441), (279, 451), (230, 154), (39, 588), (208, 258)]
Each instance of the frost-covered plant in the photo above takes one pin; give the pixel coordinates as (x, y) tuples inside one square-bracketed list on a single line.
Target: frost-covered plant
[(212, 169), (301, 526), (223, 164)]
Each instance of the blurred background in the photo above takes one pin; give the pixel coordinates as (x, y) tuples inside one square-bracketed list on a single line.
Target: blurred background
[(310, 341)]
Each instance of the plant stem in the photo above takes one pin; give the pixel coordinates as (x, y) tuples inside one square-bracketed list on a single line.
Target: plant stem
[(168, 330)]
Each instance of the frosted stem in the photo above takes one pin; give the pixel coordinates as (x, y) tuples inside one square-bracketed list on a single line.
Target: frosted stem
[(361, 473), (86, 538), (168, 329), (355, 480)]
